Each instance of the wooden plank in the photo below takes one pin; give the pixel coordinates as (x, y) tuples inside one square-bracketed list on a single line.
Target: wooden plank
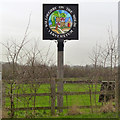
[(31, 81), (83, 93), (65, 93), (79, 82), (30, 108), (80, 107), (48, 108), (31, 94), (47, 81)]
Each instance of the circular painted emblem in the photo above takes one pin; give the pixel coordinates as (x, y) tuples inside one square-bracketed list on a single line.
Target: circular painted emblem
[(60, 21)]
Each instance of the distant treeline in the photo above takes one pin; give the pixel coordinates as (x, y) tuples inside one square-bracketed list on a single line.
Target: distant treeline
[(36, 71)]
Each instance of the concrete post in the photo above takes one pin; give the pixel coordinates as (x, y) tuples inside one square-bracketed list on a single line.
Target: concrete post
[(60, 74)]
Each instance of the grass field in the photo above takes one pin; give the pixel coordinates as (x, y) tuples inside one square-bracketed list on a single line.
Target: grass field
[(43, 101)]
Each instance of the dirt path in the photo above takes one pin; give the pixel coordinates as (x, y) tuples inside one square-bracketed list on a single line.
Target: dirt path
[(55, 31), (66, 29), (61, 30)]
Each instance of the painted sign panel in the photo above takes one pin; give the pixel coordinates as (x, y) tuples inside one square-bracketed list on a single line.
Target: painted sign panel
[(60, 21)]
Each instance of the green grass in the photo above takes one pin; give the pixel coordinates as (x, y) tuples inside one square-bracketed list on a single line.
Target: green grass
[(99, 115), (43, 101)]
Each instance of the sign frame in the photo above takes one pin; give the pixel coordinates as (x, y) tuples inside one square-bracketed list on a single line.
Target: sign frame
[(73, 33)]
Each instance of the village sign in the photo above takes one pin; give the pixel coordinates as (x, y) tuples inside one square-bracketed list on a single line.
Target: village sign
[(60, 21)]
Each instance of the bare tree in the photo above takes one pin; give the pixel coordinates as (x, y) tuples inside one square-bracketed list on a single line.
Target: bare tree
[(13, 53)]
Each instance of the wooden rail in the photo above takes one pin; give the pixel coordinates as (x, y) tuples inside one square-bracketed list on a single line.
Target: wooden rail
[(49, 107), (64, 93), (47, 81)]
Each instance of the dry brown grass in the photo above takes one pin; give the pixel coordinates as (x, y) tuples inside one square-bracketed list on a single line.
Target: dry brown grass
[(108, 107), (74, 110), (4, 113)]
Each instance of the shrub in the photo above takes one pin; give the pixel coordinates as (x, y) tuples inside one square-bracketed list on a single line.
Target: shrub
[(74, 110), (107, 108)]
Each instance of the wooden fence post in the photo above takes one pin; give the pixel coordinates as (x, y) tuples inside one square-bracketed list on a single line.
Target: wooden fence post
[(53, 86), (91, 99), (3, 97), (11, 100)]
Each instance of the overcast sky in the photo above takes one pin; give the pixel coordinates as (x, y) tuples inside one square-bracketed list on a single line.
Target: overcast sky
[(94, 18)]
